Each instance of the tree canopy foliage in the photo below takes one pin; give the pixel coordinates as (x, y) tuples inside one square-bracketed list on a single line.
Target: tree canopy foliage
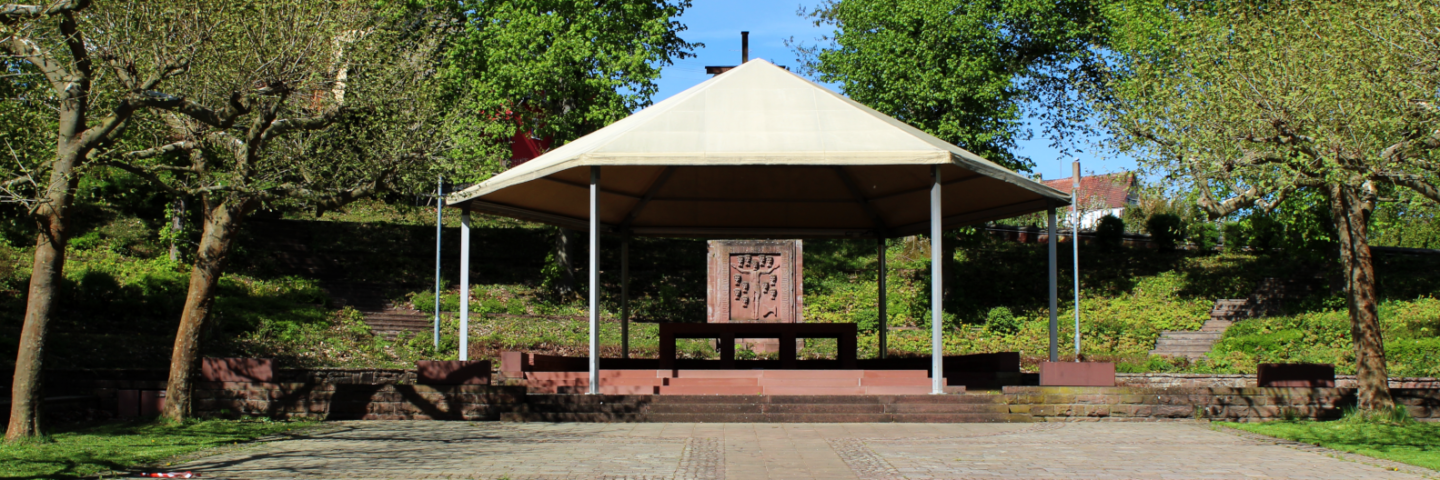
[(556, 69), (964, 70), (1253, 104)]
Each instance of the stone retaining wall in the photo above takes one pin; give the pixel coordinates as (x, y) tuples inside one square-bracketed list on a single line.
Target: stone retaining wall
[(1218, 403), (1206, 380), (336, 394), (356, 402)]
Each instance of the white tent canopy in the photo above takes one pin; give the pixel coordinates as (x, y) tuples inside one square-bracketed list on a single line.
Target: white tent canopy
[(759, 152)]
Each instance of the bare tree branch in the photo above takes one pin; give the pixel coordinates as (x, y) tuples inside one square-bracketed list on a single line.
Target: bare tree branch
[(284, 126), (222, 118), (53, 70), (142, 173), (14, 11), (181, 146), (1412, 181)]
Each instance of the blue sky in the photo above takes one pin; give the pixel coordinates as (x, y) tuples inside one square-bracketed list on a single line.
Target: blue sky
[(718, 23)]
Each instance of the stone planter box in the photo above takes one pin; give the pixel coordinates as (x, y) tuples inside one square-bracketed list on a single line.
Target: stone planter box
[(1077, 374), (244, 370), (1303, 375), (452, 372)]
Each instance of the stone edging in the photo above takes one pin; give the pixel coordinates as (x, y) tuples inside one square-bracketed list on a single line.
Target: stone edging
[(1203, 380), (1330, 452)]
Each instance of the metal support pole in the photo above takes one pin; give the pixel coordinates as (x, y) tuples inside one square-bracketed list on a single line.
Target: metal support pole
[(937, 351), (594, 280), (880, 281), (439, 205), (1075, 210), (464, 285), (625, 296), (1054, 288)]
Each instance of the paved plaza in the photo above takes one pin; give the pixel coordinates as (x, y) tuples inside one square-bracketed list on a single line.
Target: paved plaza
[(516, 451)]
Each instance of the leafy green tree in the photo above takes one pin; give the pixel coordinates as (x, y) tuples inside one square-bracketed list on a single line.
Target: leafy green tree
[(556, 69), (301, 104), (961, 69), (1252, 103), (68, 61), (1411, 221)]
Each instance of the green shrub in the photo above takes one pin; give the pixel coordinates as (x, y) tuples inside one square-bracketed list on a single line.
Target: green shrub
[(866, 319), (1111, 232), (1235, 236), (1001, 320), (1265, 234), (1205, 236), (1166, 230)]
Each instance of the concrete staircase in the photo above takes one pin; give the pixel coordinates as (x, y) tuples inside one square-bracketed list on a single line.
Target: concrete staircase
[(965, 408), (1268, 299), (1195, 345), (384, 317)]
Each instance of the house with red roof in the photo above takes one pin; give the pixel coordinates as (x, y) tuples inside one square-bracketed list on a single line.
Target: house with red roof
[(1100, 195)]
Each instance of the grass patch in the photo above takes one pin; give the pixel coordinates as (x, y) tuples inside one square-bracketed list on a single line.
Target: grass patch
[(1413, 443), (121, 446)]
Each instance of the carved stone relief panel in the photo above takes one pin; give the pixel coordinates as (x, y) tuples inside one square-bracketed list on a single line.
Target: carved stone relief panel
[(755, 281)]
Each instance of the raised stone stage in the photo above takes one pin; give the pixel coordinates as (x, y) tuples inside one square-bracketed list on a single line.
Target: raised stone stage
[(736, 382)]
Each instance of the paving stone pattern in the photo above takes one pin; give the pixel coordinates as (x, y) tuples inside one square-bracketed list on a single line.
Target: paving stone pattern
[(488, 450)]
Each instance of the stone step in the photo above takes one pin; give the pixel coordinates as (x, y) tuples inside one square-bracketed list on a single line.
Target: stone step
[(791, 408), (842, 418), (1185, 348), (1162, 344), (1185, 353), (573, 417), (926, 398), (1190, 335)]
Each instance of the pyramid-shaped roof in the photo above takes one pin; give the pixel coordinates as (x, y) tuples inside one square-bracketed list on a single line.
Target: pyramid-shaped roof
[(758, 151)]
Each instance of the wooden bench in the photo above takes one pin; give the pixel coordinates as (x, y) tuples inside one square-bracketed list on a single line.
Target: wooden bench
[(787, 333)]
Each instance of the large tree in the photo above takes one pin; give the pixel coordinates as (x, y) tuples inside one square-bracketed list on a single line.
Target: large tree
[(64, 58), (1252, 102), (554, 69), (963, 70), (301, 104)]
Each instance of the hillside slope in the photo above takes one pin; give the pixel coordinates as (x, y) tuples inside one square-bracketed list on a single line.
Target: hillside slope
[(120, 305)]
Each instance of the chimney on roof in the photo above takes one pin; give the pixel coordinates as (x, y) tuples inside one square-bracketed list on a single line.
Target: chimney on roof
[(744, 47)]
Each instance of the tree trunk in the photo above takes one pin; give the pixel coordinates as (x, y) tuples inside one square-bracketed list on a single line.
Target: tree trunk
[(565, 260), (46, 273), (1351, 214), (177, 224), (222, 221)]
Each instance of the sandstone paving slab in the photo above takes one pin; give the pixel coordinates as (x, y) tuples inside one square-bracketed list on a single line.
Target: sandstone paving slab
[(553, 451)]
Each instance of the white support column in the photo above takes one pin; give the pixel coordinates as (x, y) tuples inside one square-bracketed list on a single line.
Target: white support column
[(439, 205), (1054, 289), (625, 296), (937, 278), (883, 317), (1075, 239), (465, 285), (594, 280)]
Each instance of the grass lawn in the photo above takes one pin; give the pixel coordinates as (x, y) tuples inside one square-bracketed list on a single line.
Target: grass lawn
[(1413, 443), (94, 449)]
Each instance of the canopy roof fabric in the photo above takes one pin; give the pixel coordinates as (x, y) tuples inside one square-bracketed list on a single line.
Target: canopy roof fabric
[(759, 152)]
